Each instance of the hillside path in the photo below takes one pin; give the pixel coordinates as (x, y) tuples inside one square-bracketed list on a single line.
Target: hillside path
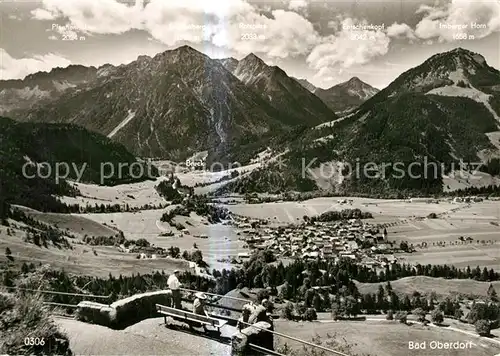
[(149, 337)]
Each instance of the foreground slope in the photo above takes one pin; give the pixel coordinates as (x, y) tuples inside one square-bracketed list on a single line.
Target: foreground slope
[(149, 337), (26, 316)]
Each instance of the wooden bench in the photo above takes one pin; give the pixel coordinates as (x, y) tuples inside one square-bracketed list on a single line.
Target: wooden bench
[(186, 316)]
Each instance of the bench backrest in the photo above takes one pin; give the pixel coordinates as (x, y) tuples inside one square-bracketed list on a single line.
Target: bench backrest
[(185, 314)]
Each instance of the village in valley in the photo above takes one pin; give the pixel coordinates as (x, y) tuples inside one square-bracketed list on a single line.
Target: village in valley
[(353, 239)]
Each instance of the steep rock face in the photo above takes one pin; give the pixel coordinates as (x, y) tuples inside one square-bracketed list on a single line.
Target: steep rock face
[(172, 105), (45, 86), (230, 63), (306, 84), (346, 96)]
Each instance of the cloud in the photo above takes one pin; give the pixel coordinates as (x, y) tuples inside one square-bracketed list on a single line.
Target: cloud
[(295, 5), (400, 31), (18, 68), (44, 15), (66, 32), (285, 33), (443, 22), (100, 17), (348, 48)]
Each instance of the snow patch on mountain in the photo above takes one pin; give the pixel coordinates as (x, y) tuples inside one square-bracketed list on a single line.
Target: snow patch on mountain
[(28, 93), (332, 123), (62, 85), (328, 176), (104, 71), (130, 116), (364, 93), (495, 139), (324, 139), (472, 93), (458, 75), (262, 156)]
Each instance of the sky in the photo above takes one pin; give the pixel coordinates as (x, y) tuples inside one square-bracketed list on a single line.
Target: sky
[(322, 41)]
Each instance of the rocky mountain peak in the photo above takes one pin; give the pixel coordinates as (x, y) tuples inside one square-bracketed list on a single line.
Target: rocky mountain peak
[(458, 67)]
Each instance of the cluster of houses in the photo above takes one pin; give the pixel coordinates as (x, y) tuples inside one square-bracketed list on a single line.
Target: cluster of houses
[(352, 239), (467, 200), (450, 200)]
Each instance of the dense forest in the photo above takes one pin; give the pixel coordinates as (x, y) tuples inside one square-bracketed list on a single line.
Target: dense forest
[(38, 157), (199, 204), (258, 272)]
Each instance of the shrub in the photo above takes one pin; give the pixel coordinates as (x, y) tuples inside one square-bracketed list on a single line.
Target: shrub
[(287, 311), (390, 315), (262, 294), (335, 314), (437, 316), (142, 243), (458, 314), (483, 327), (22, 316), (402, 317), (310, 314), (419, 313)]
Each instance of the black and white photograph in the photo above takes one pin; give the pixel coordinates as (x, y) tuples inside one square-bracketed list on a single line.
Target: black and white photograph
[(250, 177)]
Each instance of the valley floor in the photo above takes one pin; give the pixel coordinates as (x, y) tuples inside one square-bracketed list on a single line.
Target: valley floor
[(427, 285), (406, 222)]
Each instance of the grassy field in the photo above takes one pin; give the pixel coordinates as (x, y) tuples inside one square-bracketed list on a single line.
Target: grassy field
[(288, 212), (423, 284), (475, 220), (135, 194), (222, 240), (74, 224), (383, 338), (82, 259)]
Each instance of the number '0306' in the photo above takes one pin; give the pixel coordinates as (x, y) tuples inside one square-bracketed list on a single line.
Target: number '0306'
[(34, 341)]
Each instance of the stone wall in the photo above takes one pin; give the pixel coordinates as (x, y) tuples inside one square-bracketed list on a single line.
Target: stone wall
[(255, 334), (124, 312)]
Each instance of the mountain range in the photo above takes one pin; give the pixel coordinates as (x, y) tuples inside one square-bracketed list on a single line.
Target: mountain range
[(343, 97), (181, 102), (442, 111), (172, 105), (280, 90)]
